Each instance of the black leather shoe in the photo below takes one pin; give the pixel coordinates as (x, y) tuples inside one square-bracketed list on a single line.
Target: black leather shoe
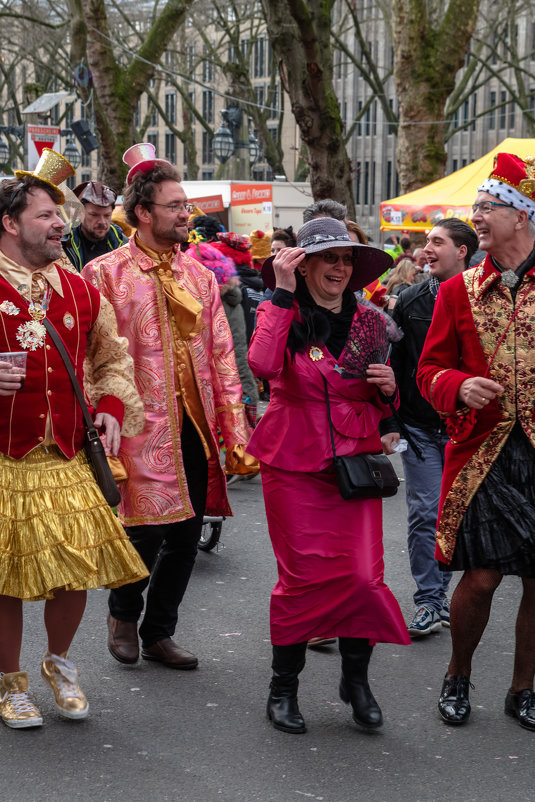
[(521, 705), (453, 704), (284, 714), (123, 642)]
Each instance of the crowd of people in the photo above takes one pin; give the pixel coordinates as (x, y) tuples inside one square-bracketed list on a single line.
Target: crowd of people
[(175, 328)]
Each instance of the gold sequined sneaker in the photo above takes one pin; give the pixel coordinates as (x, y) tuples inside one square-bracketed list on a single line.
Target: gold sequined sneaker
[(62, 676), (16, 706)]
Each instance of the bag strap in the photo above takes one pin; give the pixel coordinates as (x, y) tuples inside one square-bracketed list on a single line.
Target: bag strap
[(58, 342), (329, 413)]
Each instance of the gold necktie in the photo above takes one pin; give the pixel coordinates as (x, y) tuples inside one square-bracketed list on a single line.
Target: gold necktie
[(185, 309)]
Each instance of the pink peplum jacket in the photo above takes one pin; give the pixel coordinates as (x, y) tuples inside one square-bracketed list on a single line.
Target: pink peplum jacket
[(294, 432)]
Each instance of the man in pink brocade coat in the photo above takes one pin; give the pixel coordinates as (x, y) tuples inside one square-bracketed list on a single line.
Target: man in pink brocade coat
[(168, 306)]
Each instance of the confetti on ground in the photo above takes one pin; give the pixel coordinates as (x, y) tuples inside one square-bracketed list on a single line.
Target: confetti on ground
[(228, 634)]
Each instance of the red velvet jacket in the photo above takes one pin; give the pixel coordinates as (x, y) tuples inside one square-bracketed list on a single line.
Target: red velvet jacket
[(48, 389), (474, 333)]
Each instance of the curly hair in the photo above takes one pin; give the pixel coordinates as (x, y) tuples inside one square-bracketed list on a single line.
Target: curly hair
[(140, 192)]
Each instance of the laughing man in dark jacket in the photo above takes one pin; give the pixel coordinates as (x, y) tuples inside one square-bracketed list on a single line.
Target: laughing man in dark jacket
[(450, 246)]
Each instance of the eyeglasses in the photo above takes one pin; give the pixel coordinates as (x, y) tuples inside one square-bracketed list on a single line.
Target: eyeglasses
[(486, 207), (175, 207), (332, 258)]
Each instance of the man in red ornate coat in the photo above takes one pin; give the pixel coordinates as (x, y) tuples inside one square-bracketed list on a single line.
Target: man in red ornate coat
[(58, 536), (477, 370)]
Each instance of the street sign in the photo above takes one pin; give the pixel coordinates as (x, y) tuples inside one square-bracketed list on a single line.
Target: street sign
[(39, 137)]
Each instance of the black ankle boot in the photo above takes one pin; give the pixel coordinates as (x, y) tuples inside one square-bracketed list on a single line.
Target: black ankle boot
[(354, 688), (282, 708)]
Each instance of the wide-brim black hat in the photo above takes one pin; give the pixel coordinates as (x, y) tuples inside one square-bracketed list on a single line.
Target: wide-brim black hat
[(326, 233)]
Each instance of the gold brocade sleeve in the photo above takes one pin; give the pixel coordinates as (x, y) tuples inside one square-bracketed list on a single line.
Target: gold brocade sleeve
[(109, 370)]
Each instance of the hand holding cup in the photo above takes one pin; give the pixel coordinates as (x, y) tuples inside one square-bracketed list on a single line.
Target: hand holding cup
[(12, 371)]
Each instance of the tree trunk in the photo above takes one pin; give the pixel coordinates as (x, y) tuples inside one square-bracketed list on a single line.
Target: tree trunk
[(427, 55), (300, 36), (116, 90)]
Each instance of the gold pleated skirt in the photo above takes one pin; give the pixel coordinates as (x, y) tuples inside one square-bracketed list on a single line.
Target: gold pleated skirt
[(56, 529)]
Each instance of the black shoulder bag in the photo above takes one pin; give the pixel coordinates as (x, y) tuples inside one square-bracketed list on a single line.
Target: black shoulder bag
[(362, 475), (93, 446)]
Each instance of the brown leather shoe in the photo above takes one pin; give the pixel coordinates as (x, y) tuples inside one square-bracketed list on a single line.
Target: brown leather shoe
[(123, 642), (169, 653)]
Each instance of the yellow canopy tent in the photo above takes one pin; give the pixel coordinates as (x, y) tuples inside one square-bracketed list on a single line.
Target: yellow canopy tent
[(451, 196)]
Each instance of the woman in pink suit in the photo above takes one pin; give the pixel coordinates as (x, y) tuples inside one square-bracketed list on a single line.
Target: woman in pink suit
[(329, 551)]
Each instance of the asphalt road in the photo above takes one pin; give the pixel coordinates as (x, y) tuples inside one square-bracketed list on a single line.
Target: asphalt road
[(201, 736)]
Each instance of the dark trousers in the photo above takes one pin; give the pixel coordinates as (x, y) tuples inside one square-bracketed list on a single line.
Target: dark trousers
[(169, 552)]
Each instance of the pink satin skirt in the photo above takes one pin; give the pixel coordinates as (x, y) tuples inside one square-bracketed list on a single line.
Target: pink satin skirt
[(330, 562)]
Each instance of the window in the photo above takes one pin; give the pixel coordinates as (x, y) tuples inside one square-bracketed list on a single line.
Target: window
[(260, 95), (512, 115), (367, 118), (190, 59), (374, 118), (503, 110), (366, 183), (208, 105), (466, 112), (259, 58), (207, 67), (153, 114), (137, 115), (492, 111), (357, 184), (389, 179), (170, 107), (170, 147), (86, 159), (454, 165), (274, 111), (207, 152), (206, 175), (373, 184), (359, 124), (152, 138)]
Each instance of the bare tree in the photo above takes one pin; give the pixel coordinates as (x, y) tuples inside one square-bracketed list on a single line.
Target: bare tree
[(431, 40), (299, 32), (120, 74)]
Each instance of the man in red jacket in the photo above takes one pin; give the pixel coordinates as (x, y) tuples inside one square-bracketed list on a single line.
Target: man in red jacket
[(58, 537), (477, 371)]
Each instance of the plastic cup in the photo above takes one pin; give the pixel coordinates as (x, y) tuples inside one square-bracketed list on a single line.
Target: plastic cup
[(17, 360)]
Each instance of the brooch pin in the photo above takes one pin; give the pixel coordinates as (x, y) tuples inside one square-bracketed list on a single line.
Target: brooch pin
[(9, 308), (338, 369), (509, 279), (31, 335), (315, 353), (68, 320)]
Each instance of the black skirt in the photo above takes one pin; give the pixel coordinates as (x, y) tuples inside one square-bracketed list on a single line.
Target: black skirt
[(498, 528)]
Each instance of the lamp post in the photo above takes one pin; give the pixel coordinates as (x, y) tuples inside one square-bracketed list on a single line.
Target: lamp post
[(233, 138), (71, 152)]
